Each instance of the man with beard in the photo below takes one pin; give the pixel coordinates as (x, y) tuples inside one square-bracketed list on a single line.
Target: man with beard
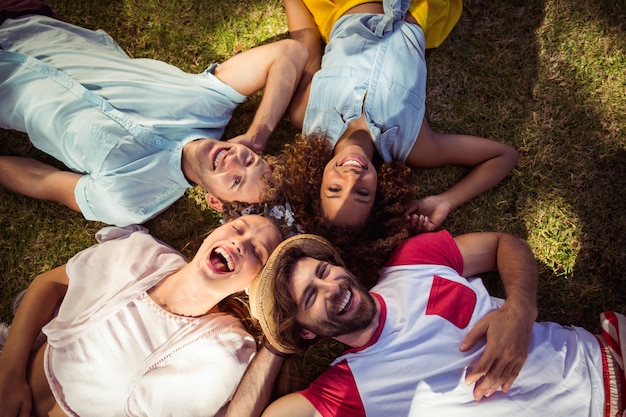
[(404, 357)]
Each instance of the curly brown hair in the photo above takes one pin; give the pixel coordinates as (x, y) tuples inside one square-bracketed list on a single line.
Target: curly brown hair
[(297, 177)]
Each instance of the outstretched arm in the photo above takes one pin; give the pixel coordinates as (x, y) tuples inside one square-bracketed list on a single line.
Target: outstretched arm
[(35, 179), (277, 67), (490, 163), (35, 310), (255, 389), (302, 28), (508, 329)]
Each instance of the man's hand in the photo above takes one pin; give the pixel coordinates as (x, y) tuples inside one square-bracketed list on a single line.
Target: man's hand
[(275, 68), (250, 141), (507, 331)]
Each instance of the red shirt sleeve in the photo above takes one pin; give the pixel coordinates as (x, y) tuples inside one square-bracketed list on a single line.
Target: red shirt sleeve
[(437, 248), (335, 394)]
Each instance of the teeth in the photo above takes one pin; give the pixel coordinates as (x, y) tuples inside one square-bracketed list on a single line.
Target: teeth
[(219, 157), (352, 162), (229, 261), (345, 302)]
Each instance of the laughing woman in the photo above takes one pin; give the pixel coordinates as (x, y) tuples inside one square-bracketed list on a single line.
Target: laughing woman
[(139, 330), (365, 90)]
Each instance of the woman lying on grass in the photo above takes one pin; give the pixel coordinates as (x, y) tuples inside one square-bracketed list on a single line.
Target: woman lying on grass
[(139, 330), (366, 92)]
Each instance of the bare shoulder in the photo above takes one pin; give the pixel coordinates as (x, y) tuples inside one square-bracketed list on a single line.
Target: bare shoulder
[(292, 405)]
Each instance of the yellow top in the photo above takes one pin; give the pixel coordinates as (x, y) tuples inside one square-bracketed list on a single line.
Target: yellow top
[(436, 17)]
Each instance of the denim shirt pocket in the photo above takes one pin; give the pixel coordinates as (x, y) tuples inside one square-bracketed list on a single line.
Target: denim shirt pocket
[(86, 146), (105, 142), (336, 98)]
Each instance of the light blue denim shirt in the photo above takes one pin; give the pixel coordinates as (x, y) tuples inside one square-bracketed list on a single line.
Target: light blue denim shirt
[(122, 122), (377, 67)]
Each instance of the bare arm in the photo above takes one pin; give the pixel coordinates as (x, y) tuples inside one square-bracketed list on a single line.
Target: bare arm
[(302, 28), (277, 67), (35, 179), (255, 389), (490, 163), (508, 329), (35, 310)]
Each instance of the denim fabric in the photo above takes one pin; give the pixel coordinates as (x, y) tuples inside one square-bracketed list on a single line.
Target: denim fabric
[(373, 64)]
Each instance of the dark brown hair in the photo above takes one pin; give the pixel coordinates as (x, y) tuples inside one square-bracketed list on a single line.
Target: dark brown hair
[(288, 329)]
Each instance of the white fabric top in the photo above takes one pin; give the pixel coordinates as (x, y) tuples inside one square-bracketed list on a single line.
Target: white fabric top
[(114, 352)]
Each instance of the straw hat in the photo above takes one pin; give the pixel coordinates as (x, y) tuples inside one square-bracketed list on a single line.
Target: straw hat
[(261, 291)]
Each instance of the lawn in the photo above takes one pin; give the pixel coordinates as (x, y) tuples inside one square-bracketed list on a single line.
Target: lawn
[(545, 76)]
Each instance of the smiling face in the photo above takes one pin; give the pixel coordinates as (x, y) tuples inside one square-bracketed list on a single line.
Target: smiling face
[(331, 302), (233, 253), (230, 171), (348, 187)]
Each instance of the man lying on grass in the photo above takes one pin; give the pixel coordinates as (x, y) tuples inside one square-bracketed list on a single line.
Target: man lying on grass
[(428, 339), (136, 133)]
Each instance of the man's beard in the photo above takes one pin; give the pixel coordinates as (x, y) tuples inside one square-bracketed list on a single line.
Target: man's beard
[(336, 325)]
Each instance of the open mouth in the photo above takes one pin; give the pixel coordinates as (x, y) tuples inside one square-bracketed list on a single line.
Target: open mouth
[(352, 161), (346, 303), (218, 157), (222, 261)]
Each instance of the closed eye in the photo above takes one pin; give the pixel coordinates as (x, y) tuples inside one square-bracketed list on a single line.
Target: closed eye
[(309, 298), (257, 254), (322, 270)]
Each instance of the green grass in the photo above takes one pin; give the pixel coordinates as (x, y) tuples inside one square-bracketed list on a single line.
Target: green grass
[(548, 77)]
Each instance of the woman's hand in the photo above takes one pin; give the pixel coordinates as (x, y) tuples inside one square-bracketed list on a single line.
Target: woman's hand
[(428, 213), (15, 393)]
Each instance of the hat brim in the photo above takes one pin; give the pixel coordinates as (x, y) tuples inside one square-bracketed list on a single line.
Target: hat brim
[(261, 291)]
